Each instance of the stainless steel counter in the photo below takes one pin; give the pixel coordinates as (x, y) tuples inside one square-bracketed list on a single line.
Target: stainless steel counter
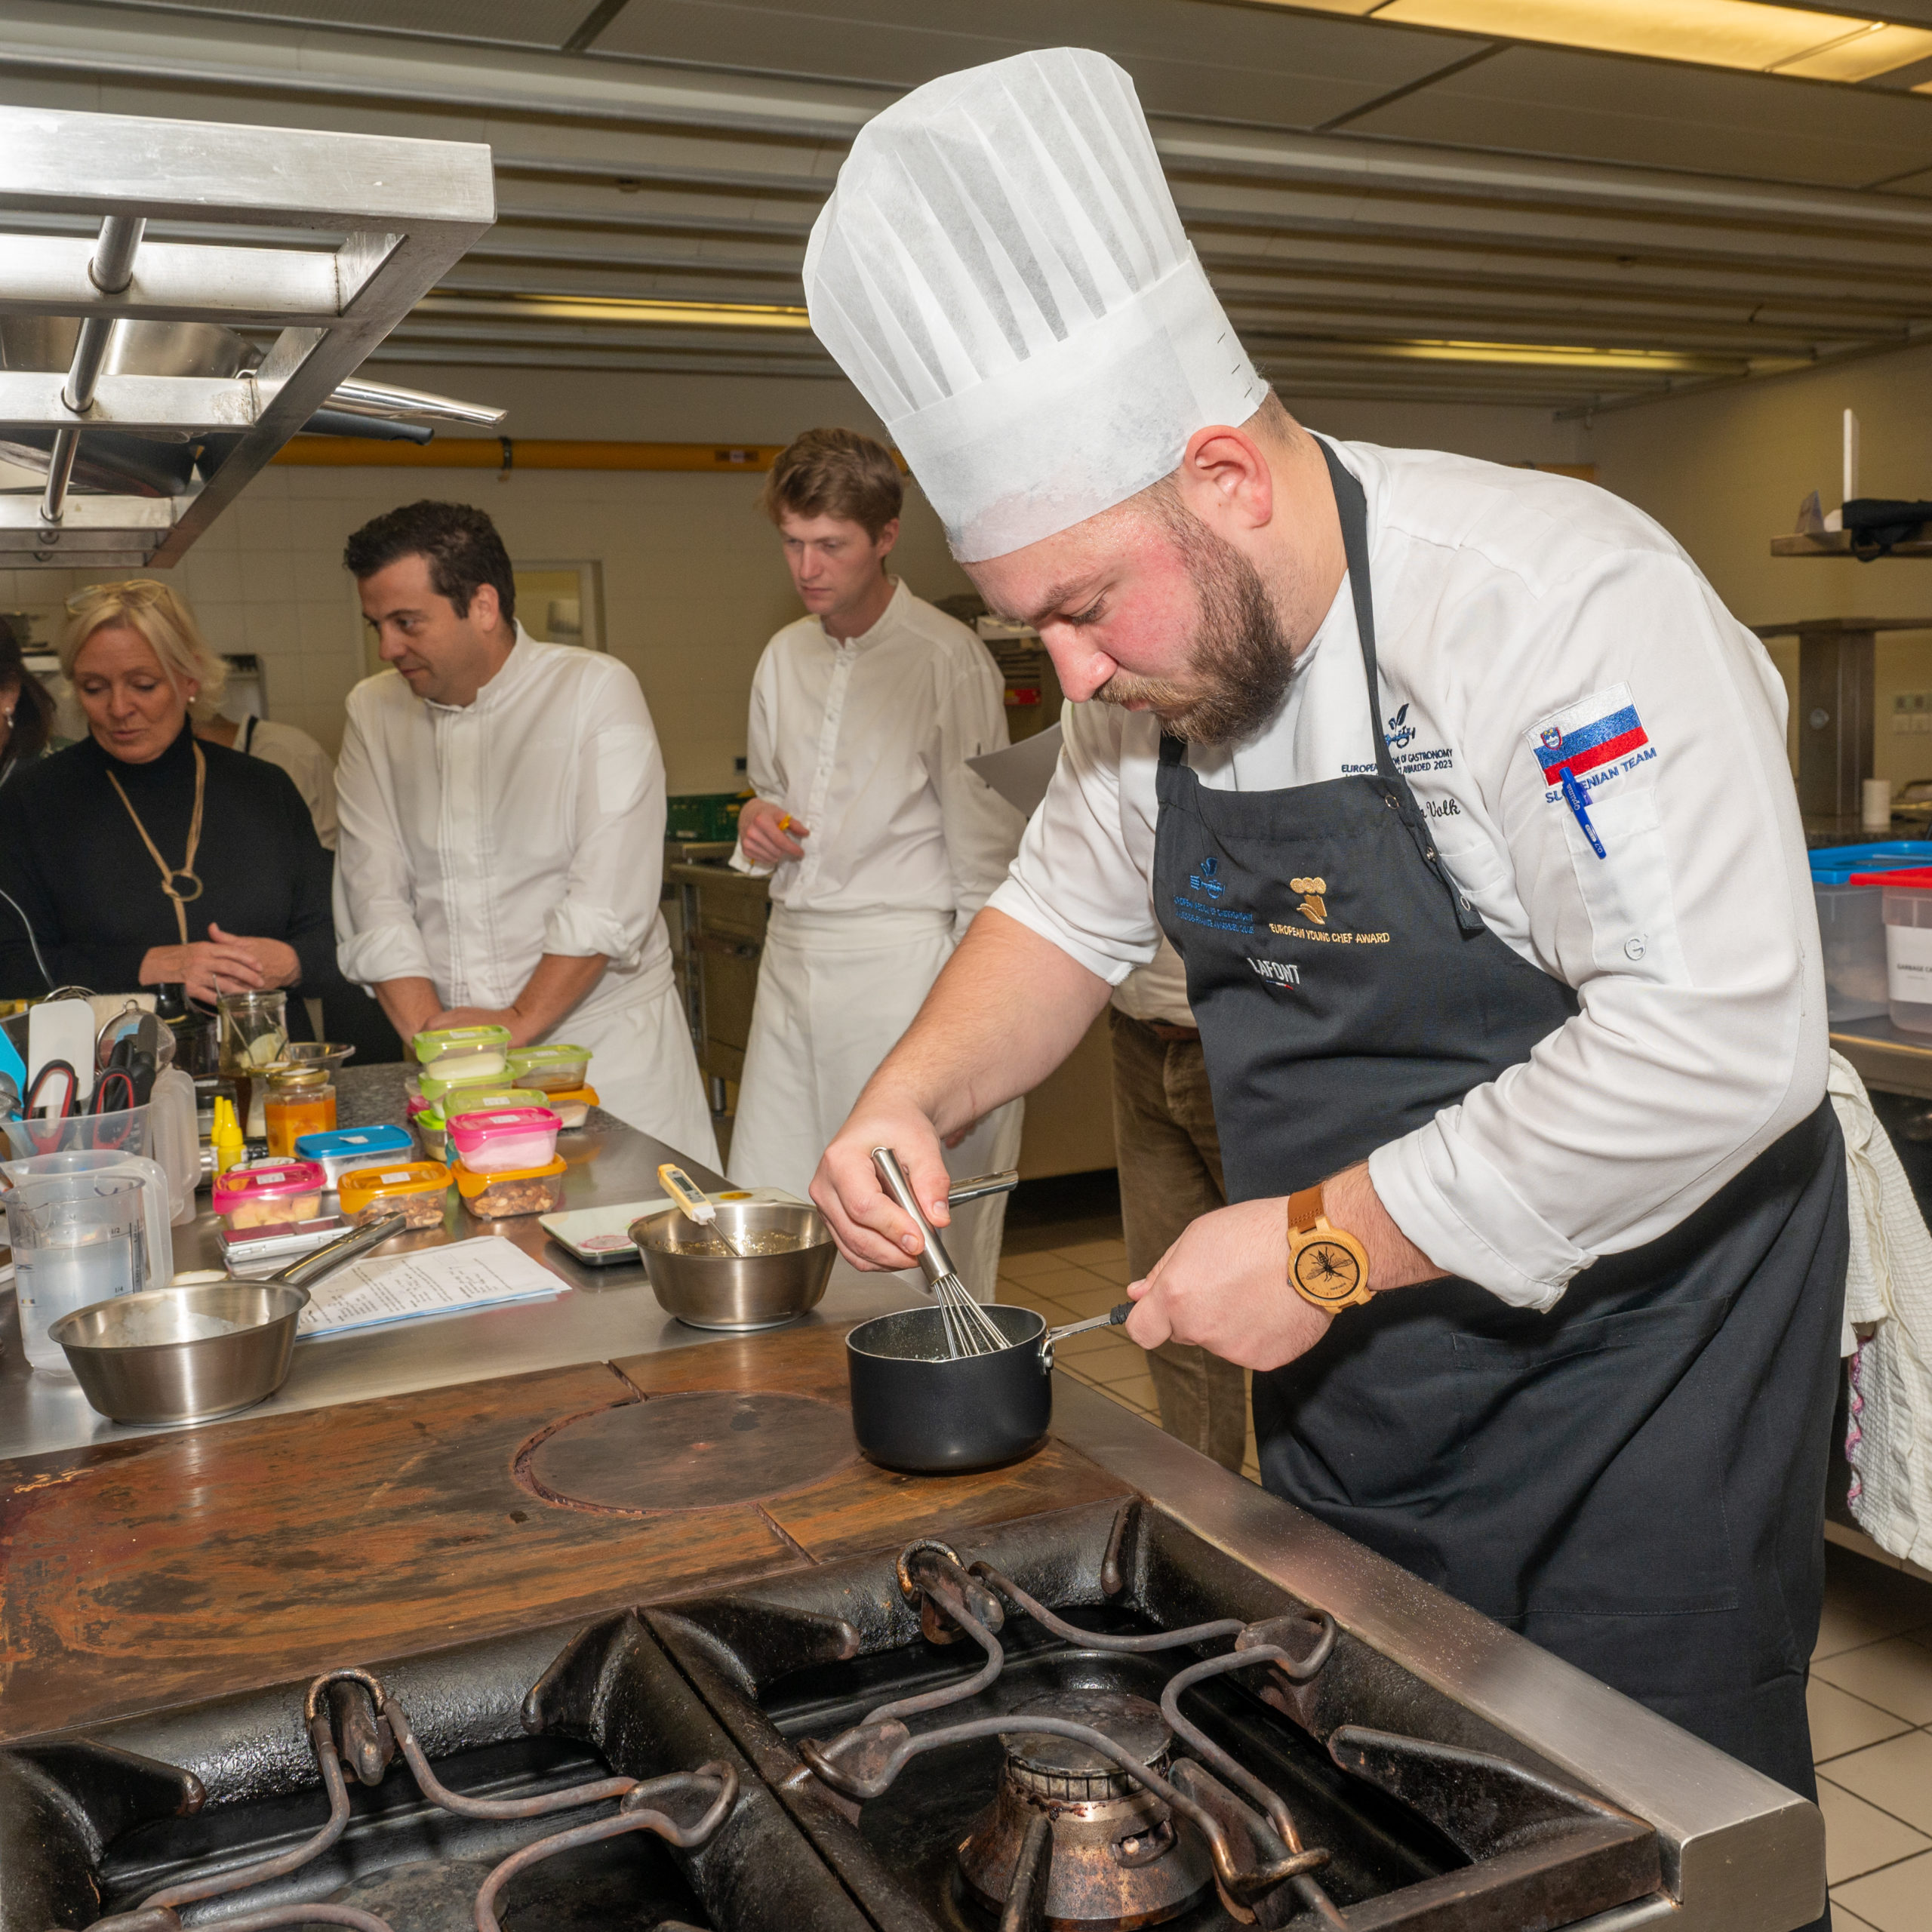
[(608, 1311), (1741, 1854)]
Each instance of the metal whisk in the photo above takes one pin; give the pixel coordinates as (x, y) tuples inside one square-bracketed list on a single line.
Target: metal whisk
[(969, 1330)]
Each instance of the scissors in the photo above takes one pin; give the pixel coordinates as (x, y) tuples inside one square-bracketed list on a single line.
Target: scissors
[(38, 1105)]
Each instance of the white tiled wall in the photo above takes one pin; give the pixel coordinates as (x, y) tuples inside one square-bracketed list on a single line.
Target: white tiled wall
[(693, 585)]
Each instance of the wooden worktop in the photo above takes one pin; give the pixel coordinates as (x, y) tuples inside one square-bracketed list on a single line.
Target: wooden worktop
[(151, 1572)]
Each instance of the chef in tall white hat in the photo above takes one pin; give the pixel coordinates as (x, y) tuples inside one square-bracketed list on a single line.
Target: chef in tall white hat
[(1465, 803)]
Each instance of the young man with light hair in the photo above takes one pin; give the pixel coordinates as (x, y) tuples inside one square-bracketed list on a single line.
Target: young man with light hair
[(880, 843)]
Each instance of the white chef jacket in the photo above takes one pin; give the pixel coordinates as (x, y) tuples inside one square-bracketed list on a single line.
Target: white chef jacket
[(1509, 603), (477, 838), (865, 741)]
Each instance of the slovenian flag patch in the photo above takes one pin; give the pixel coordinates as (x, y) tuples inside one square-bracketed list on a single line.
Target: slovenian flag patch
[(1604, 730)]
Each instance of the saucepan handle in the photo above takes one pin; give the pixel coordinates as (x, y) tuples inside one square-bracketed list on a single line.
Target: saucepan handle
[(1114, 1317), (980, 1186)]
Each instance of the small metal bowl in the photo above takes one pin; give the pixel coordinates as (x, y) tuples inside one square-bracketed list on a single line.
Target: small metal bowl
[(728, 1291), (184, 1380)]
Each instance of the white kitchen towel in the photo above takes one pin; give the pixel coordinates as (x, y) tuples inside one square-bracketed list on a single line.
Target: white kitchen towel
[(1887, 1334)]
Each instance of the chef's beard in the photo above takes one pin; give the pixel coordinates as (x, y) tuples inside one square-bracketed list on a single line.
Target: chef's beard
[(1238, 660)]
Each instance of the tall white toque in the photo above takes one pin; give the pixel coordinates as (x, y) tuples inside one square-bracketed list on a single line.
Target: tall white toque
[(1002, 272)]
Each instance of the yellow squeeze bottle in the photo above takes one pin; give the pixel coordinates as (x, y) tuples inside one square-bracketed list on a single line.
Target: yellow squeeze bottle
[(226, 1135)]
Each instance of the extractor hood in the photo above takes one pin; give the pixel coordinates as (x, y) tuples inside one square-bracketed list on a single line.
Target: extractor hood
[(145, 381)]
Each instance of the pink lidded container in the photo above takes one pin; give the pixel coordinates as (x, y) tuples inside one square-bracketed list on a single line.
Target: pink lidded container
[(500, 1139), (269, 1191)]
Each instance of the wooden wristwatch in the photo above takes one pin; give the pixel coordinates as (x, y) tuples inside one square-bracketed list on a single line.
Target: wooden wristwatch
[(1326, 1267)]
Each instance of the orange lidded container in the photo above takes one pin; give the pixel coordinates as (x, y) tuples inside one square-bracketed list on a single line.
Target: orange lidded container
[(416, 1189), (519, 1191)]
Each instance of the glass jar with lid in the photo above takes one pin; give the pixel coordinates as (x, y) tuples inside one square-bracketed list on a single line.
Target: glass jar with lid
[(301, 1099)]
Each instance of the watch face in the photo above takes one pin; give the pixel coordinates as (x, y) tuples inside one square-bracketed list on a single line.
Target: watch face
[(1327, 1271)]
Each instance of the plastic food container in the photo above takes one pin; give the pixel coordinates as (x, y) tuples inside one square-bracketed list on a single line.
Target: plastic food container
[(349, 1147), (1907, 900), (433, 1131), (501, 1139), (497, 1197), (555, 1068), (416, 1188), (463, 1052), (573, 1108), (269, 1191), (1851, 922)]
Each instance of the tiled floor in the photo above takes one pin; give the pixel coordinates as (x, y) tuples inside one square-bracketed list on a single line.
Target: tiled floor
[(1871, 1703), (1070, 1282), (1871, 1692)]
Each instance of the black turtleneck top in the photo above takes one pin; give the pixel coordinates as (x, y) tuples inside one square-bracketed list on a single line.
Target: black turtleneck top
[(70, 856)]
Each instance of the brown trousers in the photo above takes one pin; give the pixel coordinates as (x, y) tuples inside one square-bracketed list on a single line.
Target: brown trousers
[(1169, 1159)]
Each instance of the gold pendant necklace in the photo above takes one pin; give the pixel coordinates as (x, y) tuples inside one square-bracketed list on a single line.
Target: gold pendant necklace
[(185, 870)]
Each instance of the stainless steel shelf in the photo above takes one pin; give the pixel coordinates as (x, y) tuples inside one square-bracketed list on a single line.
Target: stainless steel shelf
[(1887, 1058)]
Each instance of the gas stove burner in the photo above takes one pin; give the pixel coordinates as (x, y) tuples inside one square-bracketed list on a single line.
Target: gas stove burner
[(1115, 1858)]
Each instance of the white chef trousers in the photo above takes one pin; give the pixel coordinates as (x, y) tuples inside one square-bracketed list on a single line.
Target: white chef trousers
[(836, 990), (644, 1068)]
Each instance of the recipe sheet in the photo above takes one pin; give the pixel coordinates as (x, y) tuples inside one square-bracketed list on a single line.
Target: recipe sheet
[(485, 1272)]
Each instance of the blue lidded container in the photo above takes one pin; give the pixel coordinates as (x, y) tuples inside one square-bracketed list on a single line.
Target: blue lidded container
[(1851, 922), (337, 1151)]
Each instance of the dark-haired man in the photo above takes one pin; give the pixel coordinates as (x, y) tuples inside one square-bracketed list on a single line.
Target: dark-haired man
[(881, 844), (502, 804)]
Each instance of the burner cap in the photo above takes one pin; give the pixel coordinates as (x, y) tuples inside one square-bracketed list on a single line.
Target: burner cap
[(1066, 1768)]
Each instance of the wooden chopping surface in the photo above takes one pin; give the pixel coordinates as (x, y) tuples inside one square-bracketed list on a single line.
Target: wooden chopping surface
[(156, 1571)]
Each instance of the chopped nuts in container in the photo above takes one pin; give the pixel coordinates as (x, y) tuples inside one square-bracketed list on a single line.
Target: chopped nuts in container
[(416, 1190), (521, 1191)]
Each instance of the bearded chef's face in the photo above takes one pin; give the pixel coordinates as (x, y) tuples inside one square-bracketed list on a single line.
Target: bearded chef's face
[(1151, 607)]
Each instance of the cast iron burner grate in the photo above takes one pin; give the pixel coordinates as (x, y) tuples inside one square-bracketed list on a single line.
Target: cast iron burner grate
[(1137, 1768), (352, 1719)]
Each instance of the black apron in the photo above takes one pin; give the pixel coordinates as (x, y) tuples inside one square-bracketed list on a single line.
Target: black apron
[(1635, 1480)]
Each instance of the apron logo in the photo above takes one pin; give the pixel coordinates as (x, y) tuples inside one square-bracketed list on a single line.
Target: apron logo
[(1204, 880), (1399, 733), (1277, 972), (1313, 906)]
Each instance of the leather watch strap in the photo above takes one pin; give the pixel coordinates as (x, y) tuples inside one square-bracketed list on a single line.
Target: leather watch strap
[(1305, 1209)]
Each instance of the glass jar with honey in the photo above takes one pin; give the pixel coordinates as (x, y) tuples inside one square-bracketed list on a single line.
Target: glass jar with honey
[(301, 1100)]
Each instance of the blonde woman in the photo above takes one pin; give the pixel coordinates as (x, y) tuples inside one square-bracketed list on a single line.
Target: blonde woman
[(141, 856)]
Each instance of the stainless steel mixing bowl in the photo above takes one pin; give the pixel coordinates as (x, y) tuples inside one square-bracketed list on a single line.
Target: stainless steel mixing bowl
[(725, 1290), (176, 1378)]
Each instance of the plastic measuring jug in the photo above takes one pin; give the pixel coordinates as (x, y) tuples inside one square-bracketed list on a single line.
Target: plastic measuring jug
[(77, 1239)]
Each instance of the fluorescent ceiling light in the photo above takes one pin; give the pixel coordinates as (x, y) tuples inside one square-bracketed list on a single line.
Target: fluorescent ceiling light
[(1563, 355), (620, 309), (1746, 34)]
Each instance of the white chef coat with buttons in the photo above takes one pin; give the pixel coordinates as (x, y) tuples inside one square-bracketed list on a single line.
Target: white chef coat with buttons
[(865, 740), (477, 838), (1510, 605)]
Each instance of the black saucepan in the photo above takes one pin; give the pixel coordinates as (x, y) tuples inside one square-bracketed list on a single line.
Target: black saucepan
[(915, 1408)]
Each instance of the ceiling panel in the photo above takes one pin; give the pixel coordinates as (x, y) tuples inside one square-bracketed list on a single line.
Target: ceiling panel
[(684, 160), (1601, 107), (527, 22), (1223, 63)]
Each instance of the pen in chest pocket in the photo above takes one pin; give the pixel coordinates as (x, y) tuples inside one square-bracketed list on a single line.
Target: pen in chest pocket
[(1578, 800)]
